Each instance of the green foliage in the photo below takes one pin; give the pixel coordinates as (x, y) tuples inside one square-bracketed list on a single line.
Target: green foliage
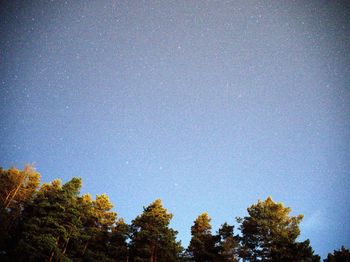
[(202, 245), (104, 237), (228, 244), (269, 234), (51, 221), (17, 189), (341, 255), (54, 223), (152, 239), (118, 240)]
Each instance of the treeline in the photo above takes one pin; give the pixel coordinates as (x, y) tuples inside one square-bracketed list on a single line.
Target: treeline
[(53, 222)]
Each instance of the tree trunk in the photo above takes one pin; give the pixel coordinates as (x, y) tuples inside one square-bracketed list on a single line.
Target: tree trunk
[(51, 256), (65, 249), (15, 193), (7, 197), (154, 253), (85, 247), (53, 251)]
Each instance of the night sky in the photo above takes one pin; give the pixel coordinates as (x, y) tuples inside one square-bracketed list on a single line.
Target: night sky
[(208, 105)]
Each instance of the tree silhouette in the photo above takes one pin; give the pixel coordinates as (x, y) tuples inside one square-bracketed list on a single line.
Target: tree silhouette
[(341, 255), (228, 244)]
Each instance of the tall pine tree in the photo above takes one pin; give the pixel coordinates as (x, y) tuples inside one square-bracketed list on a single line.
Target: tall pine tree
[(202, 245), (51, 221), (269, 234), (18, 188), (152, 239), (228, 244)]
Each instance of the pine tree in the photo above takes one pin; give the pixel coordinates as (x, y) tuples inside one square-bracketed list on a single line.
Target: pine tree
[(152, 239), (228, 244), (269, 234), (118, 248), (50, 223), (101, 230), (341, 255), (17, 189), (202, 245)]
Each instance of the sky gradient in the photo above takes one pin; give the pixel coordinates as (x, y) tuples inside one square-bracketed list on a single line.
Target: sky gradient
[(208, 105)]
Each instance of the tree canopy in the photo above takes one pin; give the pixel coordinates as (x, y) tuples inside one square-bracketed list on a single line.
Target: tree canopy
[(269, 234), (341, 255), (151, 238), (53, 222), (202, 246)]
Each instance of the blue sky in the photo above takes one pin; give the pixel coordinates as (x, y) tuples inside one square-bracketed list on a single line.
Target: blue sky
[(208, 105)]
